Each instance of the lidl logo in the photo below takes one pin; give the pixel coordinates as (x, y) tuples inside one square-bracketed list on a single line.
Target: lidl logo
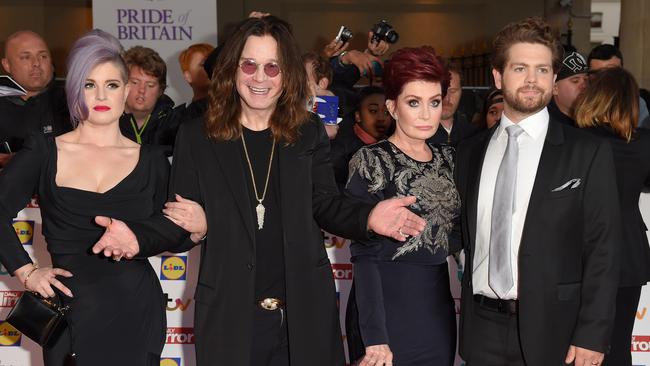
[(173, 268), (180, 336), (179, 305), (9, 298), (170, 361), (9, 336), (25, 231)]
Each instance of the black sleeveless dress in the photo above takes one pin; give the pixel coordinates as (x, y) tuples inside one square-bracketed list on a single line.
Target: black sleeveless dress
[(117, 314)]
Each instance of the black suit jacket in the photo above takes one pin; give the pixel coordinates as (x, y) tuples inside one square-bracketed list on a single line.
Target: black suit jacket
[(568, 257), (632, 161), (212, 173)]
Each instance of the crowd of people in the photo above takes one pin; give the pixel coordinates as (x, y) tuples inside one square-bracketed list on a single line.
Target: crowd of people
[(539, 189)]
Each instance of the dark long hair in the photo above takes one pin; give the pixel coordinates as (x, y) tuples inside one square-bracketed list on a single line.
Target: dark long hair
[(224, 104)]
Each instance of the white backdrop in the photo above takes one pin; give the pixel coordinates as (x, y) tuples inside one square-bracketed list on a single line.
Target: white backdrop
[(167, 26)]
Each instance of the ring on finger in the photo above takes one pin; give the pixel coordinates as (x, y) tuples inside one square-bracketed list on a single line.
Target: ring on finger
[(401, 233), (117, 258)]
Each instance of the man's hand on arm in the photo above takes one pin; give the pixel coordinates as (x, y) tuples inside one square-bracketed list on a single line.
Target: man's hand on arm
[(392, 218)]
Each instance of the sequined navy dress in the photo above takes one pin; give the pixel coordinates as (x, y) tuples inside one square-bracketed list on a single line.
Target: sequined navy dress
[(401, 294)]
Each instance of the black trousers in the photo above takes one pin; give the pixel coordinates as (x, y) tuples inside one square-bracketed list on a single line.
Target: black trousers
[(270, 345), (627, 301), (499, 335)]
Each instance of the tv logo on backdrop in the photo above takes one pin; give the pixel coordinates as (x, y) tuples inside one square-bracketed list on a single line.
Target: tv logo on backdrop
[(24, 230), (342, 271), (180, 336), (333, 241), (9, 336), (179, 304), (170, 361), (173, 268)]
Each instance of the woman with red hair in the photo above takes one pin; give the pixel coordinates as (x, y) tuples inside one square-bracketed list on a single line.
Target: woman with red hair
[(401, 309)]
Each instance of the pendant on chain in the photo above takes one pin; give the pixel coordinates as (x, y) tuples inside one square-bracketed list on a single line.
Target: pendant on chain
[(260, 215)]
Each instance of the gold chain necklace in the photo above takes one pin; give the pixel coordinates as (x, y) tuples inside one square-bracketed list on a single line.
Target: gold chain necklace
[(259, 209)]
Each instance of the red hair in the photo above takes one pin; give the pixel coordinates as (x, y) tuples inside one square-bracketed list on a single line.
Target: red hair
[(414, 64)]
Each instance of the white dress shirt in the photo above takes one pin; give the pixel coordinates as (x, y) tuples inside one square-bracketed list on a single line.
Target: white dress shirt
[(531, 143)]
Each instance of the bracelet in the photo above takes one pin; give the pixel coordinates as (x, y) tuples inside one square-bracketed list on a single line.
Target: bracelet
[(30, 273)]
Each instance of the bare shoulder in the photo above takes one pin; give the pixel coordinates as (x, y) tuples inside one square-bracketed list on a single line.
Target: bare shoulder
[(128, 147)]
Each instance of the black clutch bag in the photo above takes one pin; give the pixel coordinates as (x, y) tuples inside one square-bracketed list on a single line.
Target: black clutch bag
[(39, 318)]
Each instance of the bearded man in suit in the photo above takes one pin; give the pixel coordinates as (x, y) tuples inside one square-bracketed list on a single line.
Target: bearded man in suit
[(540, 221)]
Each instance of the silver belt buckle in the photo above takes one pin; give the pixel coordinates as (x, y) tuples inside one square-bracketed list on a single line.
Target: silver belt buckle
[(270, 304)]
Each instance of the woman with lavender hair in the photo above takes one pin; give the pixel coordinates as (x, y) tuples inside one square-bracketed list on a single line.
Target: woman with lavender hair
[(92, 170)]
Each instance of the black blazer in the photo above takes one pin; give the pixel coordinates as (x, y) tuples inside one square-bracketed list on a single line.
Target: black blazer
[(632, 161), (568, 257), (213, 174)]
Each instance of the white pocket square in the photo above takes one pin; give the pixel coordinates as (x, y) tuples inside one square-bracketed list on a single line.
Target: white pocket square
[(573, 183)]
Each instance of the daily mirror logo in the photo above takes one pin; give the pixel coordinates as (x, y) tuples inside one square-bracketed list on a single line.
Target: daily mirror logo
[(9, 298), (640, 343), (180, 336)]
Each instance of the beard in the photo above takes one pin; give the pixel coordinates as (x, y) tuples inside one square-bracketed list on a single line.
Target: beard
[(527, 104)]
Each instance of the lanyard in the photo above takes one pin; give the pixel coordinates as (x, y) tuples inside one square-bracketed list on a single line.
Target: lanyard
[(138, 133)]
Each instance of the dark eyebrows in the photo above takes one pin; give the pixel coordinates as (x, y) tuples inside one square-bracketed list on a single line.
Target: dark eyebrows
[(418, 98), (107, 81), (525, 64)]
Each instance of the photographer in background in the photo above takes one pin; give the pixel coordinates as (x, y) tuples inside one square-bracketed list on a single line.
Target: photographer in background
[(319, 74), (349, 66)]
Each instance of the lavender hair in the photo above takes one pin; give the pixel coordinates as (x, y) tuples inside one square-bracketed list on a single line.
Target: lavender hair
[(94, 48)]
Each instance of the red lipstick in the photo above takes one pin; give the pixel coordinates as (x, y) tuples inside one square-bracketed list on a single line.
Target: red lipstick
[(102, 108)]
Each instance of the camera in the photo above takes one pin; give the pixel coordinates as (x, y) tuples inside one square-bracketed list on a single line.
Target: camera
[(383, 31), (344, 35)]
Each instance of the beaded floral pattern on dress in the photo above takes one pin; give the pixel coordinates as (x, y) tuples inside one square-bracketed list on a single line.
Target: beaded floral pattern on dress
[(383, 165)]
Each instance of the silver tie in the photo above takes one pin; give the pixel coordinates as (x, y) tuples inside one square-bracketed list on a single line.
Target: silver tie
[(500, 272)]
